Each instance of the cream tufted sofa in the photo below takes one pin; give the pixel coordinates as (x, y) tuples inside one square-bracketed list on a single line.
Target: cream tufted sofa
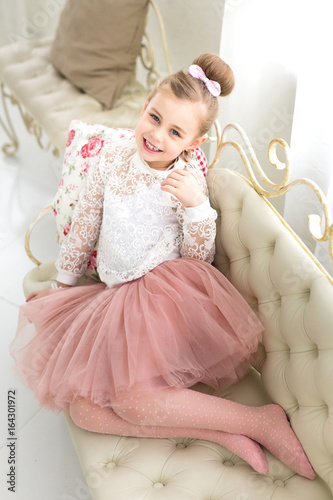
[(293, 296)]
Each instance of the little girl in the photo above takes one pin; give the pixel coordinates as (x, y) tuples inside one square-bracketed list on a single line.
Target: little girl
[(121, 355)]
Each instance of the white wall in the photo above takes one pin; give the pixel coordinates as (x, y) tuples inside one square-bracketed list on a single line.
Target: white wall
[(192, 28), (24, 20)]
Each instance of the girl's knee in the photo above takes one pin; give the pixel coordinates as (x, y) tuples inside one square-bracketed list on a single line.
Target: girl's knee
[(78, 411), (140, 411), (125, 409)]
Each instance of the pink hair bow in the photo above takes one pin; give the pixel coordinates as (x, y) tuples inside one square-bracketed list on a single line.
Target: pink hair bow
[(197, 72)]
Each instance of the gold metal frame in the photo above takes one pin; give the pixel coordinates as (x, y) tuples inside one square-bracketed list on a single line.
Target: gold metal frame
[(147, 53), (218, 140), (29, 232), (249, 157), (30, 124), (9, 148)]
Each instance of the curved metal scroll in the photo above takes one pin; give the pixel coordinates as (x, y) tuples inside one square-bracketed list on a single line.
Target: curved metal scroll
[(250, 159), (147, 54), (29, 231)]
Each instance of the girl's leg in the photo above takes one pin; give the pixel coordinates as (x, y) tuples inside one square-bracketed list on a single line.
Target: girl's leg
[(96, 419), (171, 407)]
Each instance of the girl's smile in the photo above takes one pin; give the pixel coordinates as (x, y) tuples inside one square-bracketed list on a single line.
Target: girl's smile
[(167, 127), (150, 147)]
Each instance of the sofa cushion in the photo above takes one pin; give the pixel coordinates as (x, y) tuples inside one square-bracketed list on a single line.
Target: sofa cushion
[(97, 43)]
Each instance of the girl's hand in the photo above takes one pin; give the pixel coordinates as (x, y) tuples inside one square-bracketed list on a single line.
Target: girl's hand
[(38, 294), (183, 185), (43, 293)]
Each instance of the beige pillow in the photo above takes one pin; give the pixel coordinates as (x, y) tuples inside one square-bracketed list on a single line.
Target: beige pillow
[(97, 43)]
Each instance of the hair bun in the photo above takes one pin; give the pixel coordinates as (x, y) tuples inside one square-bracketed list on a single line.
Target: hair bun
[(216, 69)]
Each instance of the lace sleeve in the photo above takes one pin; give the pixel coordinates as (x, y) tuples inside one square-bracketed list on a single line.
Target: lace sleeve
[(198, 226), (87, 217)]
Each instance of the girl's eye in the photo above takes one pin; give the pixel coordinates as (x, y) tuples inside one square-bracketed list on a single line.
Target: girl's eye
[(155, 118), (174, 132)]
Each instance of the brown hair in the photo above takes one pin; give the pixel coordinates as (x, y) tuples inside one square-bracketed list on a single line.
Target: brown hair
[(185, 86)]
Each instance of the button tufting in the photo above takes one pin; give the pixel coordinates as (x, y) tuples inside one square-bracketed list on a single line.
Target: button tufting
[(158, 485), (279, 482), (181, 445), (111, 465), (228, 463), (315, 351), (326, 409)]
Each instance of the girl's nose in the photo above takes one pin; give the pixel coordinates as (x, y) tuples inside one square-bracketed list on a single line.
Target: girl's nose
[(157, 136)]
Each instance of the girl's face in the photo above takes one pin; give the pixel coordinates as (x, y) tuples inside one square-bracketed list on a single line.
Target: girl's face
[(167, 127)]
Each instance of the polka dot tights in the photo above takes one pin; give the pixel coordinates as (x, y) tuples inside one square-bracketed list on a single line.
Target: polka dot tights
[(184, 413)]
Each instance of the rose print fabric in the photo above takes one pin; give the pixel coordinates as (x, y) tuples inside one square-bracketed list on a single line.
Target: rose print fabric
[(85, 144), (136, 224)]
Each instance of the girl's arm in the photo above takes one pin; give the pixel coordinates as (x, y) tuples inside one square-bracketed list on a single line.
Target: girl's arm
[(87, 218), (196, 216)]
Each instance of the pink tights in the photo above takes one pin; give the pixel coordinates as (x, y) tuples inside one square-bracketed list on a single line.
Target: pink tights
[(184, 413)]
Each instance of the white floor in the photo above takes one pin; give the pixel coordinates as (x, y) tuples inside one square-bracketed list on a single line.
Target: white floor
[(46, 465)]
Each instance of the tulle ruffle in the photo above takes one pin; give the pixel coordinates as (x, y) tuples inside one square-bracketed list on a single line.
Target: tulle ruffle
[(180, 324)]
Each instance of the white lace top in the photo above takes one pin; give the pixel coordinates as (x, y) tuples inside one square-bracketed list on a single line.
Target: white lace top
[(138, 225)]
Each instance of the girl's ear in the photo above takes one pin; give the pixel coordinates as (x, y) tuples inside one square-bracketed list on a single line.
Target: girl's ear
[(197, 143)]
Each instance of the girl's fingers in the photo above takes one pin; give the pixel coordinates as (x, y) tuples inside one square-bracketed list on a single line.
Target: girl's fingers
[(170, 182), (175, 179), (180, 171), (32, 296), (184, 186), (178, 174), (39, 293)]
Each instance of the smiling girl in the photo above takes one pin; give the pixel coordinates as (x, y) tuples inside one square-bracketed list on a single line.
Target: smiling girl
[(121, 355)]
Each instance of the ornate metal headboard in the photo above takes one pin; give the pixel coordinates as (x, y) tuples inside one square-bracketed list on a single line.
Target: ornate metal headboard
[(321, 229)]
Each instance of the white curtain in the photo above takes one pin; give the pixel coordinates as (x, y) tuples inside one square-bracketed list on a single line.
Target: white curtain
[(312, 128), (256, 40), (280, 51)]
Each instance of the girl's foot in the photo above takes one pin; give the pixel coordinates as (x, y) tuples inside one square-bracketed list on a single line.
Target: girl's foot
[(278, 437)]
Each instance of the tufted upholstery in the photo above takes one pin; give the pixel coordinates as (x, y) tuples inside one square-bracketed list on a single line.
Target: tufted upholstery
[(53, 101), (293, 298)]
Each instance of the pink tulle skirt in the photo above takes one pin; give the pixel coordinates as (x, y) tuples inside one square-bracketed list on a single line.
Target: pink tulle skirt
[(180, 324)]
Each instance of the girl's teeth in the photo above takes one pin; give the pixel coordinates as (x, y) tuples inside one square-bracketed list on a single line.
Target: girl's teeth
[(150, 146)]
